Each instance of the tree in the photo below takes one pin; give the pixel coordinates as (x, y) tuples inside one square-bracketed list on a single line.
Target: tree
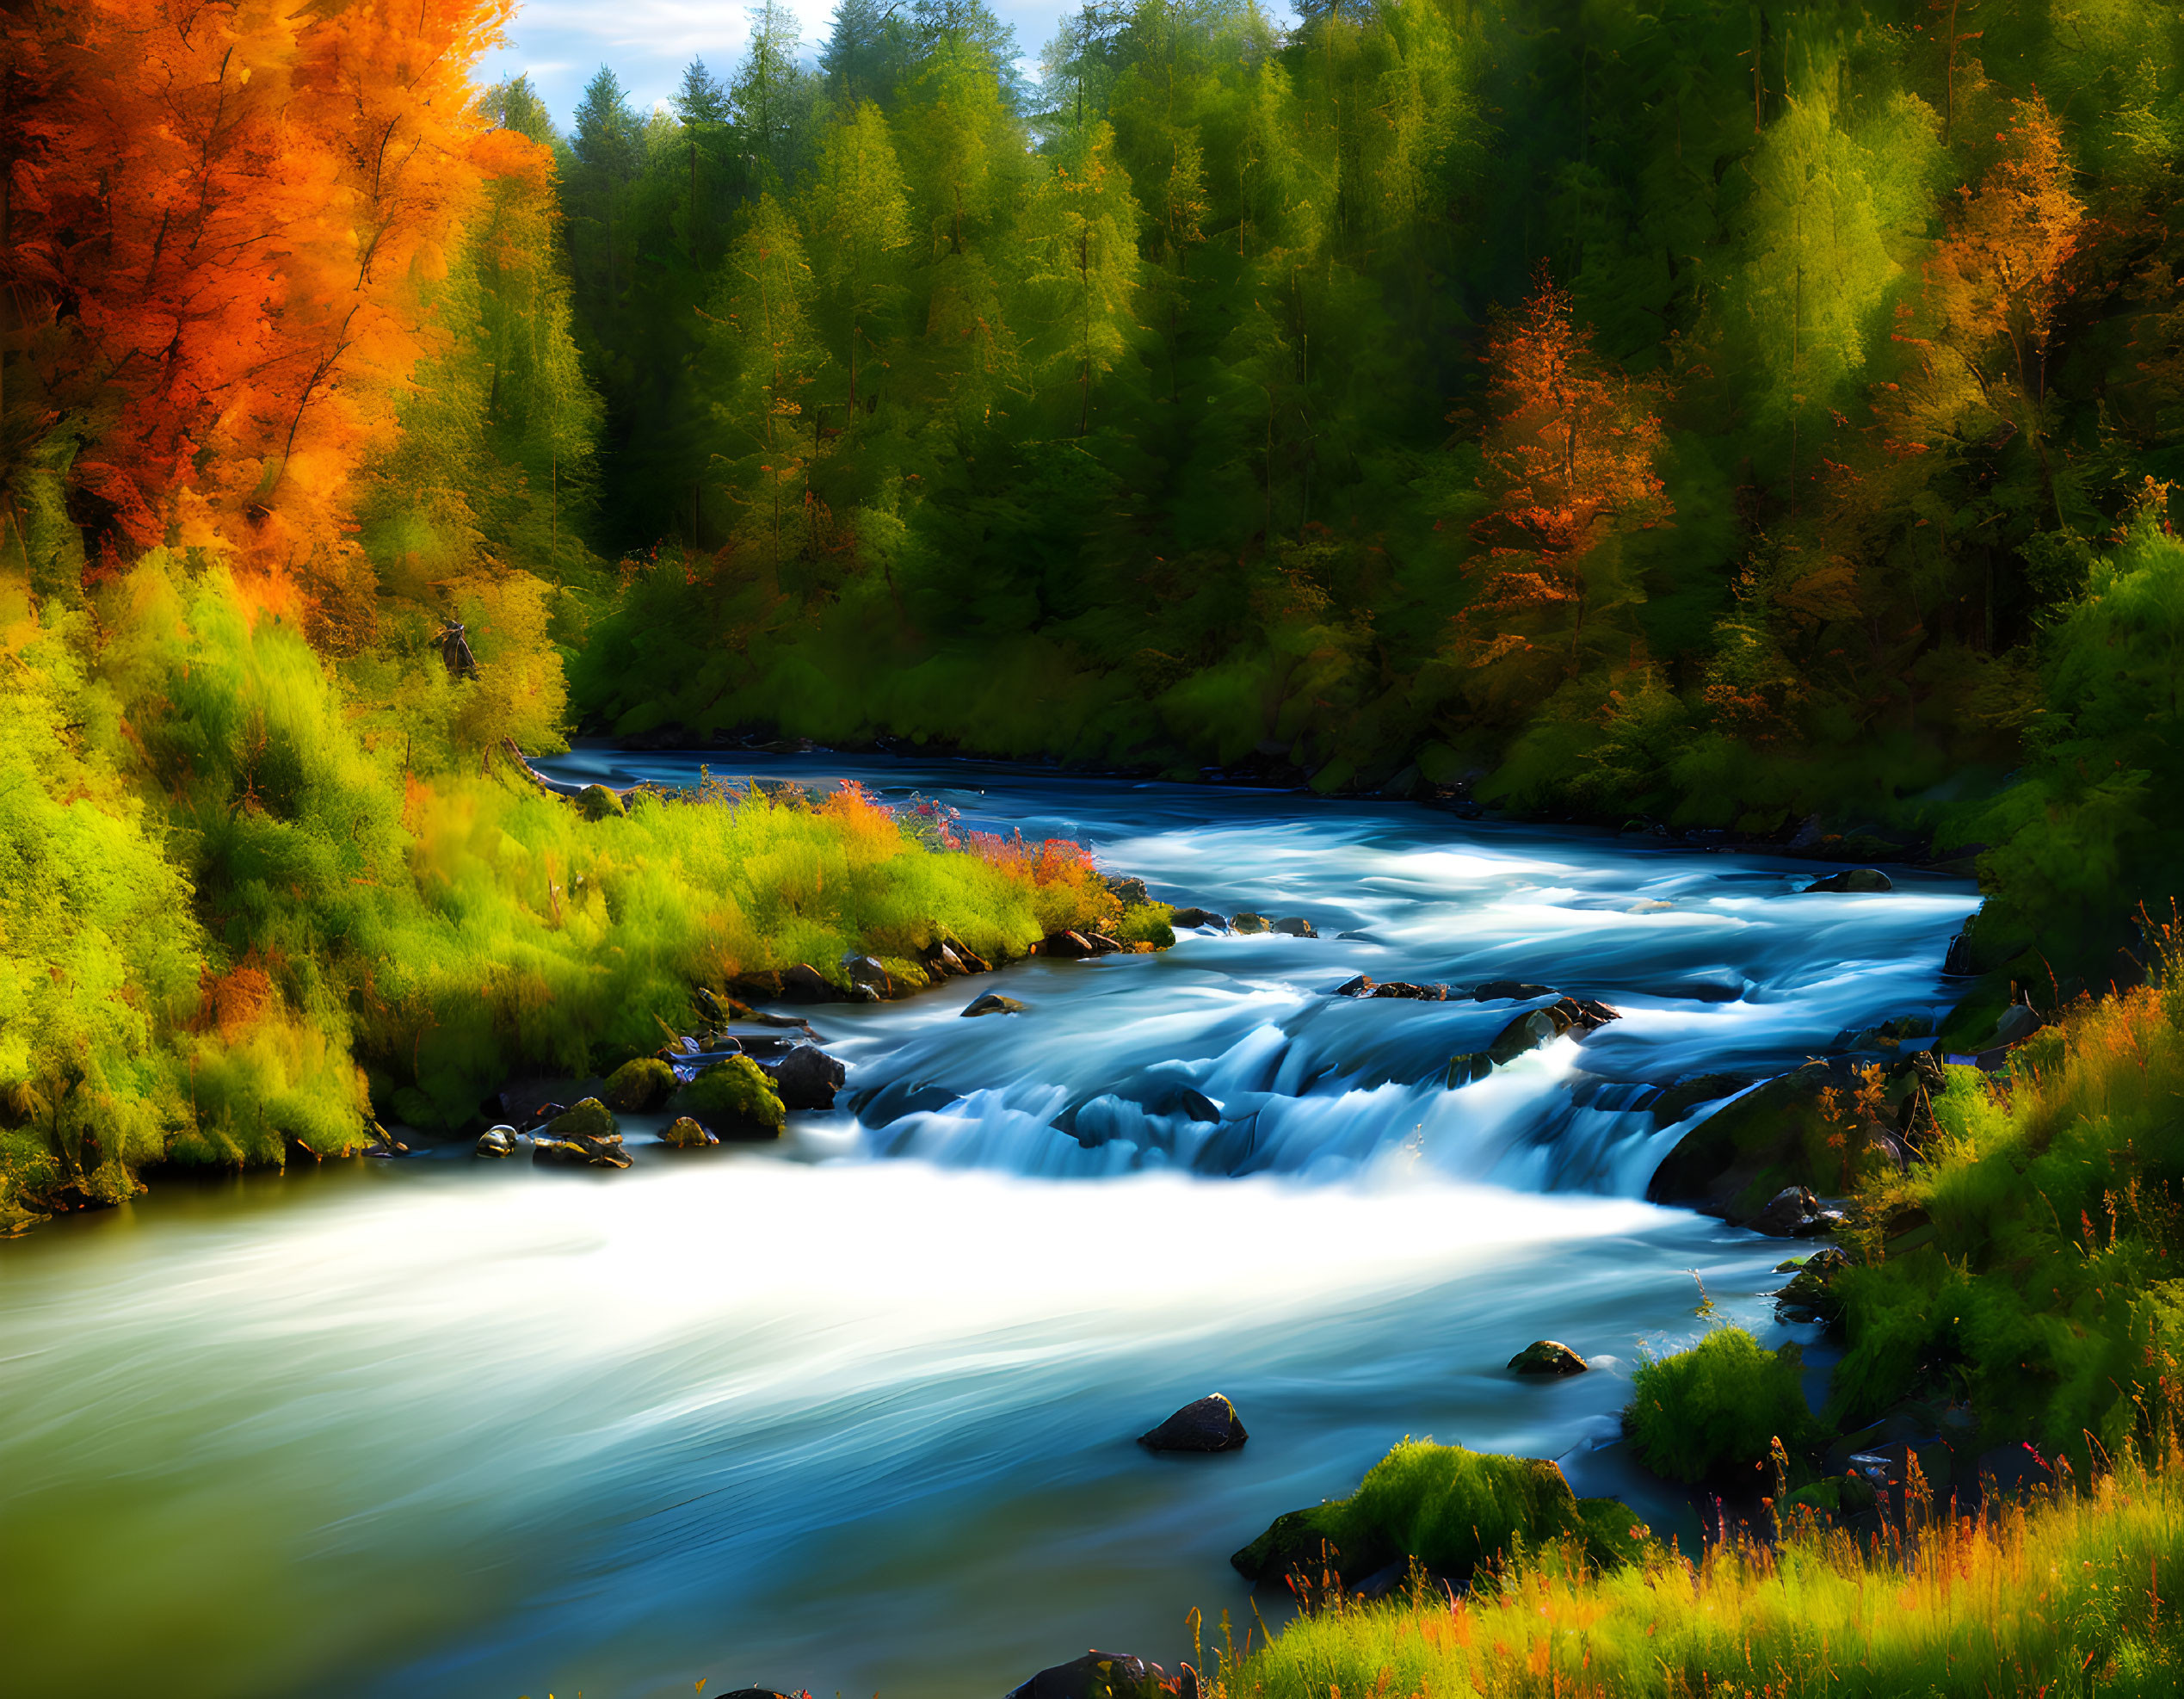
[(608, 151), (1569, 449), (774, 99), (867, 53), (859, 219), (1079, 239)]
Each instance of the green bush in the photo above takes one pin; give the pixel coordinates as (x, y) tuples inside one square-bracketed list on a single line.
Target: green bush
[(1717, 1406), (1449, 1509)]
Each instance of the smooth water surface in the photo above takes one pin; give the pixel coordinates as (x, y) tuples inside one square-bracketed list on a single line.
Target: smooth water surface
[(857, 1415)]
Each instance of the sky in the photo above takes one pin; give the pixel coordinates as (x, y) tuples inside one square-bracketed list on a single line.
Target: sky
[(561, 43)]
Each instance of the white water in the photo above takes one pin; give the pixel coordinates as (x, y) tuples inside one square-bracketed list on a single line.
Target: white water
[(857, 1414)]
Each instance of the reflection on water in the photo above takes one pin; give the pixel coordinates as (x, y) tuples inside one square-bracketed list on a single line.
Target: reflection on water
[(858, 1414)]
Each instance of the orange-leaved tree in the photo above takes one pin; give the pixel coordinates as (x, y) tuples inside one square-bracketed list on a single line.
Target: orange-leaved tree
[(1570, 448), (220, 218)]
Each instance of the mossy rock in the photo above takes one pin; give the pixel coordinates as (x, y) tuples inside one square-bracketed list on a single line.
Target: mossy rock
[(1773, 1136), (1547, 1356), (596, 802), (734, 1099), (640, 1086), (589, 1119), (685, 1134), (1445, 1507)]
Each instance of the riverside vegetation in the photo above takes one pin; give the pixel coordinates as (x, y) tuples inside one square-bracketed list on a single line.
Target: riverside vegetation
[(1755, 419)]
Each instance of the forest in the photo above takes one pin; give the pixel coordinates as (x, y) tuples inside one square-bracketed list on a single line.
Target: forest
[(1746, 421)]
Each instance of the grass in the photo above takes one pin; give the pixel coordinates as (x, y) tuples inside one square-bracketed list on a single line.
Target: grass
[(2062, 1597)]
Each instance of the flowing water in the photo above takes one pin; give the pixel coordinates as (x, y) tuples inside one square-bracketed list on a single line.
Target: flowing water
[(857, 1414)]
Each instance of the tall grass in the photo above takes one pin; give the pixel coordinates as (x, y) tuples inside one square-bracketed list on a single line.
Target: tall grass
[(2067, 1597)]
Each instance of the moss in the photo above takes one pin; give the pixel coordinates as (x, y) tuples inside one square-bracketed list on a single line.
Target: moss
[(639, 1087), (733, 1099), (1447, 1508), (1717, 1406), (587, 1119)]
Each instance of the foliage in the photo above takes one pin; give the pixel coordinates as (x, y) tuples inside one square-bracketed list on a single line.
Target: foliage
[(1718, 1406), (2053, 1597)]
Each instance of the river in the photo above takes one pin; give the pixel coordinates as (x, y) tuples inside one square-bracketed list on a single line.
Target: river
[(856, 1414)]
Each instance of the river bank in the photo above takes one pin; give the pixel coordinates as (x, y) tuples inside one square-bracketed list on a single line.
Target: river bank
[(860, 1412)]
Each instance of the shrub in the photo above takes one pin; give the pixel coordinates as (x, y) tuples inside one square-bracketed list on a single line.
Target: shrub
[(1717, 1406)]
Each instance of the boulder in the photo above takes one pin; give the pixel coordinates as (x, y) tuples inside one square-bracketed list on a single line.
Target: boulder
[(1790, 1212), (1526, 1032), (1403, 988), (596, 802), (1209, 1423), (685, 1134), (1249, 925), (2016, 1021), (1737, 1159), (1547, 1356), (733, 1100), (1107, 1675), (1295, 926), (1358, 985), (1184, 919), (805, 1077), (1510, 991), (496, 1141), (589, 1119), (866, 970), (1132, 892), (993, 1003), (639, 1087), (1677, 1100), (1858, 880), (804, 983)]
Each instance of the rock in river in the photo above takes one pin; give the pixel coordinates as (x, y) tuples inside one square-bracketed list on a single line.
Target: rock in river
[(1107, 1675), (806, 1077), (1547, 1356), (1247, 923), (993, 1003), (1184, 919), (496, 1141), (685, 1134), (637, 1087), (1864, 879), (734, 1099), (1295, 926), (1210, 1423)]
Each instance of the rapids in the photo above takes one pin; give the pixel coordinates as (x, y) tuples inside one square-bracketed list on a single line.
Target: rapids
[(857, 1414)]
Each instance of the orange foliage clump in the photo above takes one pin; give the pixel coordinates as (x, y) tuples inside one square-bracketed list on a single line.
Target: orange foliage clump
[(221, 217)]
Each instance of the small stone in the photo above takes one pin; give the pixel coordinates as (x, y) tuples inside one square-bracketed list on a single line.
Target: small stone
[(1359, 986), (496, 1141), (1209, 1423), (993, 1003), (685, 1134), (1295, 926), (1249, 925), (1861, 880), (1547, 1356), (1185, 920)]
